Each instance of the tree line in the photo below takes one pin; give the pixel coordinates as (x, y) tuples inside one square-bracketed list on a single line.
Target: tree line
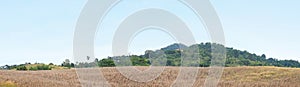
[(38, 66), (173, 54)]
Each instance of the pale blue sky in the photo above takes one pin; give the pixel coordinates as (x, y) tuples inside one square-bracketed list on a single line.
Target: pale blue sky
[(42, 31)]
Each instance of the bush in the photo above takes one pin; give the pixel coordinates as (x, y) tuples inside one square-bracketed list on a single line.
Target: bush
[(43, 67), (40, 67), (21, 68), (106, 63), (51, 64), (33, 68)]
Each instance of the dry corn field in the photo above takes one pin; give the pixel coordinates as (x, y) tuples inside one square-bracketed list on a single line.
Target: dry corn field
[(231, 77)]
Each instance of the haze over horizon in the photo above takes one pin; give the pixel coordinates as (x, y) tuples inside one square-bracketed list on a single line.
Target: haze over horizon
[(42, 31)]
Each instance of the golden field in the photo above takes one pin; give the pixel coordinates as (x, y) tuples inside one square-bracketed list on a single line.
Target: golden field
[(231, 77)]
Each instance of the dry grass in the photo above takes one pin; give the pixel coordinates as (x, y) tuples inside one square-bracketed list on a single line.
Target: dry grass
[(232, 77), (51, 78), (7, 84)]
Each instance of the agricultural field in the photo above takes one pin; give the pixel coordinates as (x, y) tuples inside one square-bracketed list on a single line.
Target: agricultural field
[(232, 77)]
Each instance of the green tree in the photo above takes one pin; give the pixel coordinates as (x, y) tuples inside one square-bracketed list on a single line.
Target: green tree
[(66, 63), (106, 63)]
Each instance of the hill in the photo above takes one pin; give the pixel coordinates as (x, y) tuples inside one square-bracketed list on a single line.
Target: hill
[(234, 57), (175, 46), (173, 53)]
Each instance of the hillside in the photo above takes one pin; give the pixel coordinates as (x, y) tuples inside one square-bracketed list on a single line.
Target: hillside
[(232, 77), (234, 57)]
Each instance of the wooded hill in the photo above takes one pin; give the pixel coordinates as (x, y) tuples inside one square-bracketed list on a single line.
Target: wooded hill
[(234, 57), (172, 55)]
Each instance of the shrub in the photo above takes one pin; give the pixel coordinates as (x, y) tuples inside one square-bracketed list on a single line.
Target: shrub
[(21, 68), (43, 67), (40, 67), (51, 64), (33, 68)]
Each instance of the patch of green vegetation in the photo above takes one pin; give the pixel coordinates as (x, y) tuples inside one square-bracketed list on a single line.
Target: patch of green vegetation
[(39, 67), (23, 68), (35, 67)]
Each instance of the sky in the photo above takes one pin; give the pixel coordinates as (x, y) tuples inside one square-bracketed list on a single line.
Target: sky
[(42, 31)]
